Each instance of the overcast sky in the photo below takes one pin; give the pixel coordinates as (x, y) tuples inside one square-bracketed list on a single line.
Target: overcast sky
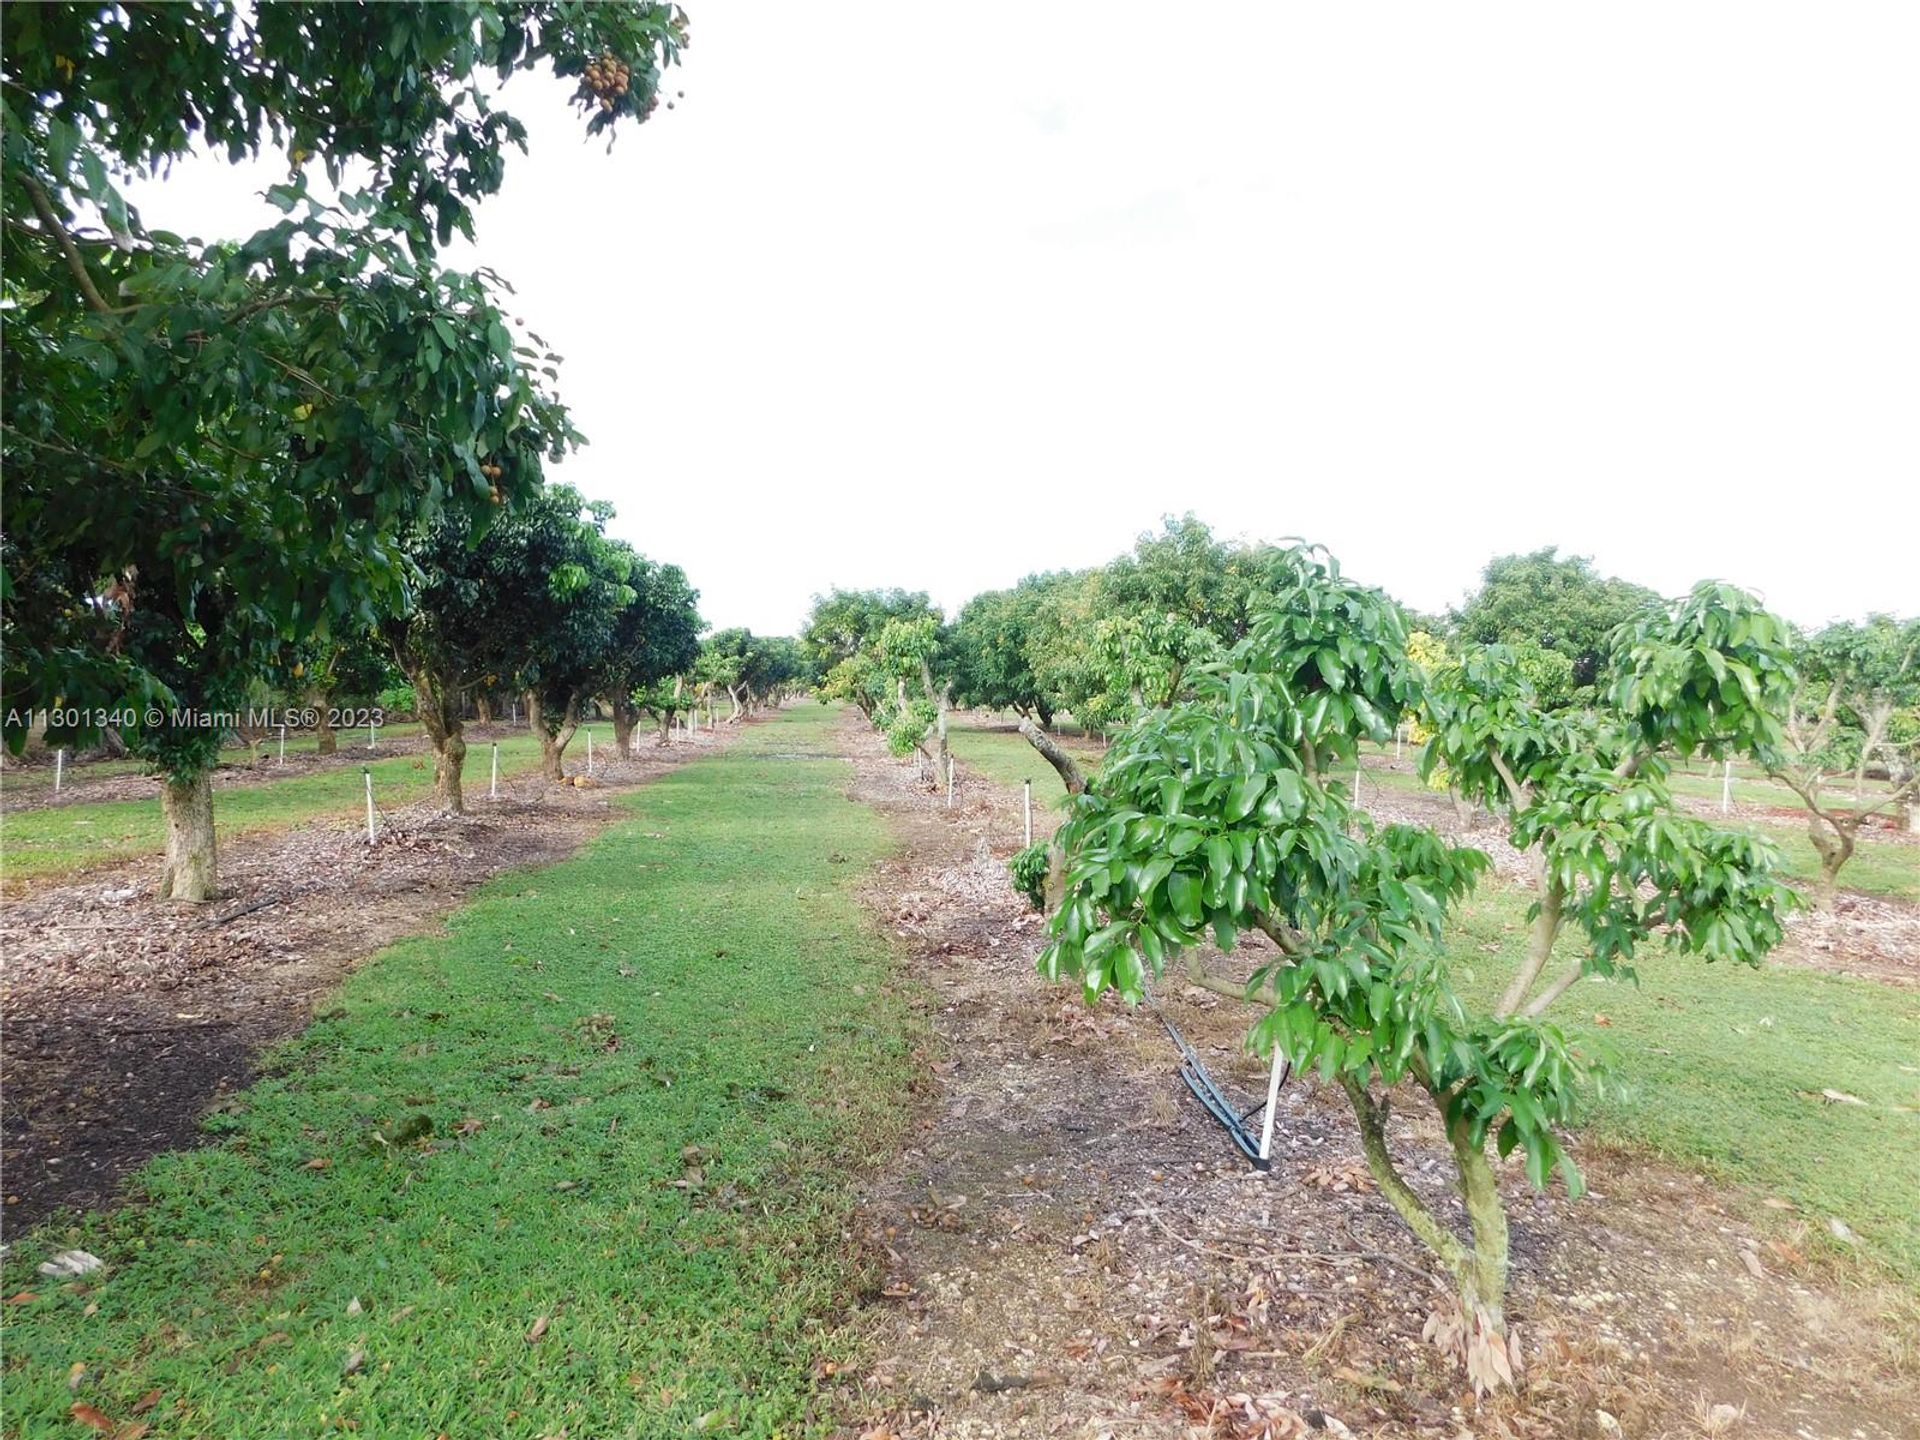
[(907, 295)]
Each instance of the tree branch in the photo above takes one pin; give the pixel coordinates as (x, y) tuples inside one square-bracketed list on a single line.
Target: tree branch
[(1372, 1116), (1058, 758), (49, 217)]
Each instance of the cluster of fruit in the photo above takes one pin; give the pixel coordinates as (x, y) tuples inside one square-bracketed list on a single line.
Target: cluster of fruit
[(493, 473), (606, 79)]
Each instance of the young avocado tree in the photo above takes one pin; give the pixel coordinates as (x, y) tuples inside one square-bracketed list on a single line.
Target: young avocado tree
[(1856, 709), (254, 426), (1227, 815)]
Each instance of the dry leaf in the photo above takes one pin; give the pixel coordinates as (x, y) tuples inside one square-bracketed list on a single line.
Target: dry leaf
[(146, 1402), (88, 1415), (319, 1162), (537, 1329), (1841, 1097)]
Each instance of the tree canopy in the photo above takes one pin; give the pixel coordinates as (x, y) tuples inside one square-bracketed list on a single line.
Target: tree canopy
[(1559, 604), (213, 450)]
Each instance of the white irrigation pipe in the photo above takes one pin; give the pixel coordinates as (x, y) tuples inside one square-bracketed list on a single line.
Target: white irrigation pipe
[(1026, 802), (1273, 1103), (283, 742), (1399, 734), (949, 782), (1726, 787), (59, 766), (493, 784), (589, 752), (368, 774), (369, 734)]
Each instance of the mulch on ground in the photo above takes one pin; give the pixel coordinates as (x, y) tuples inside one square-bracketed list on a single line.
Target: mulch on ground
[(1071, 1247)]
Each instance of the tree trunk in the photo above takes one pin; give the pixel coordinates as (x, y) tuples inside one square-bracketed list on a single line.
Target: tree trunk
[(449, 759), (1834, 842), (553, 742), (1051, 752), (734, 696), (1482, 1275), (440, 718), (483, 709), (191, 865), (320, 703), (625, 715), (1479, 1271), (1045, 712)]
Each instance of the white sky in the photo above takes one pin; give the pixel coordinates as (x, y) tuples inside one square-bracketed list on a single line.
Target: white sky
[(903, 294)]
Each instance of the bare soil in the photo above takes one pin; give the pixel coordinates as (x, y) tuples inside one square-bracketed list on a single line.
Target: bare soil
[(124, 1019), (1071, 1247)]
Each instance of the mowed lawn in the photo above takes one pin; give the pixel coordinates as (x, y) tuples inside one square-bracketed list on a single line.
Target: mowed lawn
[(79, 835), (1722, 1067), (651, 1073)]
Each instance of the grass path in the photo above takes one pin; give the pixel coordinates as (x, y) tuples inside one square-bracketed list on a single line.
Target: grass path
[(79, 835), (651, 1073), (1720, 1066)]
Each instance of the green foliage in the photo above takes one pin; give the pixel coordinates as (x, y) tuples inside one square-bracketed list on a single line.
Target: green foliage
[(1029, 868), (717, 1277), (842, 623), (1220, 814), (1557, 604), (756, 668), (891, 646), (255, 425)]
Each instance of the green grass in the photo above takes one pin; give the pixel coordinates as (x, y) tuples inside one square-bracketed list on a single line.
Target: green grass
[(1878, 867), (1005, 757), (755, 1024), (79, 835), (1722, 1067)]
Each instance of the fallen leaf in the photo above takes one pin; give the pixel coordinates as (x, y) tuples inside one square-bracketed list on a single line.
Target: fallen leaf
[(1841, 1097), (537, 1329), (88, 1415), (355, 1359), (1752, 1262), (146, 1402), (468, 1126), (319, 1162), (20, 1297), (1839, 1229)]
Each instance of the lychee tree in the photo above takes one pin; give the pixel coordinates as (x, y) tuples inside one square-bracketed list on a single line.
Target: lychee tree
[(213, 452), (1855, 709), (1227, 817)]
